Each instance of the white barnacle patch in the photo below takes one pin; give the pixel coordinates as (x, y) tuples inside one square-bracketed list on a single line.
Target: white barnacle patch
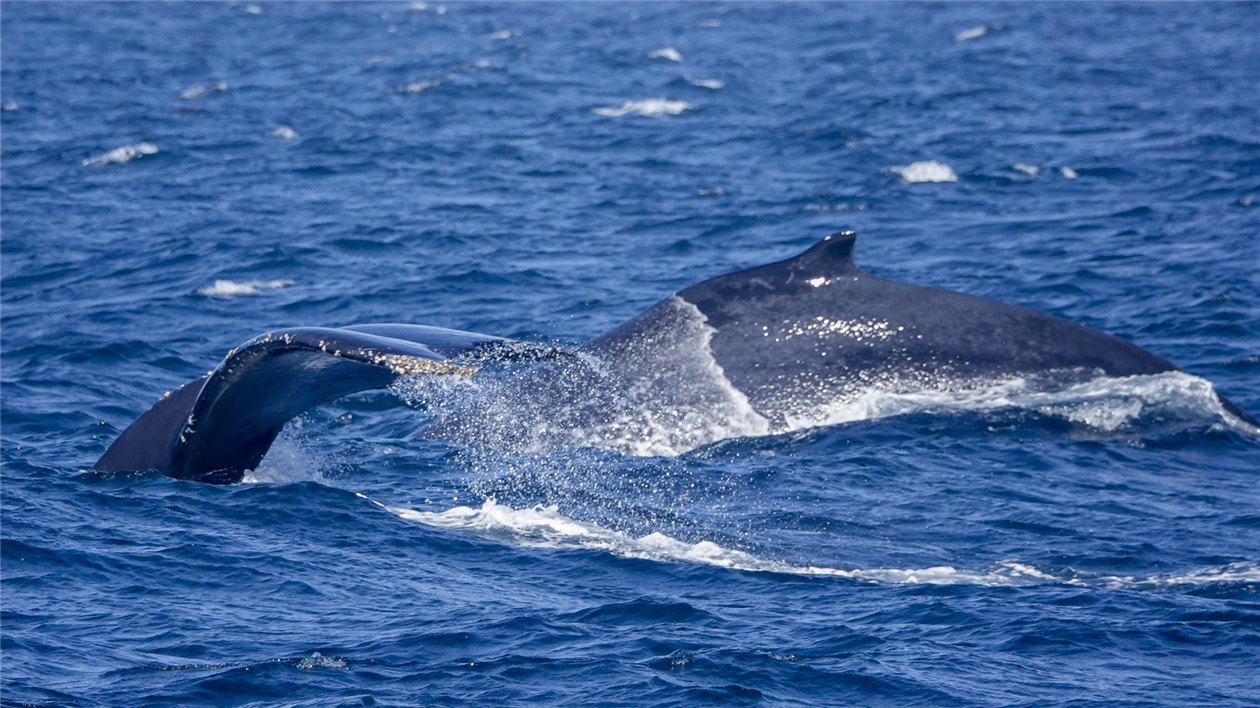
[(859, 330), (817, 282), (409, 365)]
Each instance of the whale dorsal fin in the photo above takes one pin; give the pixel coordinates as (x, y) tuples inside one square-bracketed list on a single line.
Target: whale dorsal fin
[(719, 298), (830, 256)]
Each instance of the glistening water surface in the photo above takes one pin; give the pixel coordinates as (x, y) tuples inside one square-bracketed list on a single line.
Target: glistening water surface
[(178, 177)]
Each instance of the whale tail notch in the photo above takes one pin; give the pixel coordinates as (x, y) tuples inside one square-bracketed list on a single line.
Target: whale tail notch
[(219, 426)]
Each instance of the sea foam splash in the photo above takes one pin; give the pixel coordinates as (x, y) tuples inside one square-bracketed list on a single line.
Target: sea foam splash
[(651, 107), (545, 526), (924, 171), (1105, 404), (228, 288), (122, 155), (665, 395)]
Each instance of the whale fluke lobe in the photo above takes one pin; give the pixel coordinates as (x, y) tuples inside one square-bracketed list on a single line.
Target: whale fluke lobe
[(747, 353), (216, 428)]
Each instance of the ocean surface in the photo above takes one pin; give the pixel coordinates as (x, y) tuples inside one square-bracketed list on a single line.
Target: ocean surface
[(179, 177)]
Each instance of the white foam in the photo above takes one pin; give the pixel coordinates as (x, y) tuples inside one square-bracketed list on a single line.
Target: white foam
[(711, 84), (1030, 170), (424, 6), (1105, 404), (545, 526), (228, 288), (417, 87), (925, 171), (122, 155), (709, 23), (288, 460), (652, 107), (665, 53), (686, 400), (319, 661), (202, 91), (1243, 572), (505, 34), (10, 106), (971, 33), (283, 131), (1068, 172)]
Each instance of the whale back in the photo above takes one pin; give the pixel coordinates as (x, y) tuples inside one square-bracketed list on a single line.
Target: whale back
[(816, 328)]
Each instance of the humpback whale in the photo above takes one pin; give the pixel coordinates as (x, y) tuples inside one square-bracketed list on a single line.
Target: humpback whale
[(741, 354)]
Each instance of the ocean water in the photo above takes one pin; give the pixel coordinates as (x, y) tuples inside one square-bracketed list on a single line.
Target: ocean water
[(179, 177)]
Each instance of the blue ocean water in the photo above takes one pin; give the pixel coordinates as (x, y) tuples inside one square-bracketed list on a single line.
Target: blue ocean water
[(178, 177)]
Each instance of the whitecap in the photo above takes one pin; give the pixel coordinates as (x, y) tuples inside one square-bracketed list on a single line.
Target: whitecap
[(709, 23), (122, 155), (971, 33), (1105, 404), (652, 107), (1068, 172), (1030, 170), (665, 53), (253, 10), (228, 288), (283, 131), (1241, 572), (925, 171), (505, 34), (380, 59), (544, 526), (203, 91), (10, 106), (417, 87), (319, 661), (713, 84)]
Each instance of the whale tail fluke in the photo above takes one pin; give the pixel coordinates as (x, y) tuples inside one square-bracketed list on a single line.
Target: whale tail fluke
[(216, 428)]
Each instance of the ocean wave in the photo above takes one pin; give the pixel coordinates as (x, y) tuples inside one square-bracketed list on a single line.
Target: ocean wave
[(652, 107)]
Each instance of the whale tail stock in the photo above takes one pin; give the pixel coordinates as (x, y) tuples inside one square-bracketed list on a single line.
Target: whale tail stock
[(219, 426)]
